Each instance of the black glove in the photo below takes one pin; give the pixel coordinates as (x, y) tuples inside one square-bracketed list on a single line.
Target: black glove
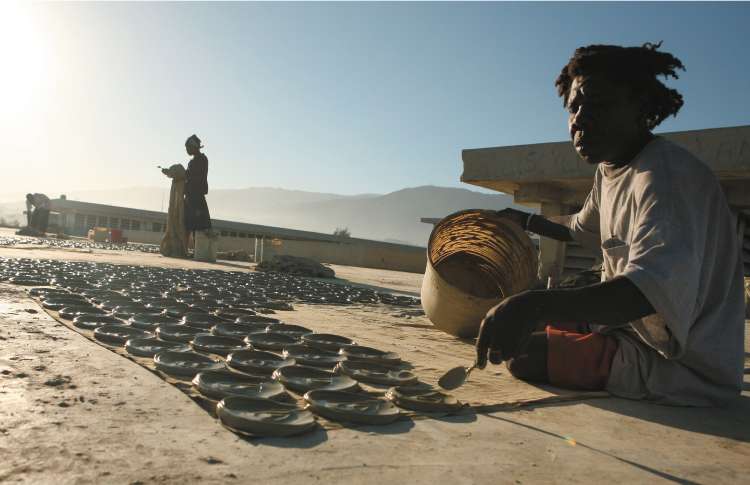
[(519, 217), (506, 329)]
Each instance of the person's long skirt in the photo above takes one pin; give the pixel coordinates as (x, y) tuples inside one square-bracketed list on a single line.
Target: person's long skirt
[(197, 217), (40, 219)]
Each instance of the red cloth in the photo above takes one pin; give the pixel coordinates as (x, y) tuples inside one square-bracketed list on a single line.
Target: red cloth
[(578, 360)]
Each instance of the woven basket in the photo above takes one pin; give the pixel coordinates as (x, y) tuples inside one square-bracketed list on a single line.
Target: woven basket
[(475, 258)]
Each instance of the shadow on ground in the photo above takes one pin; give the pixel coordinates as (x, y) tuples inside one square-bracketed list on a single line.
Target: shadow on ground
[(731, 422), (382, 289), (305, 441), (656, 473)]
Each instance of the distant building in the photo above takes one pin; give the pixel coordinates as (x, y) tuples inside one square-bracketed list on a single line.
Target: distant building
[(144, 226)]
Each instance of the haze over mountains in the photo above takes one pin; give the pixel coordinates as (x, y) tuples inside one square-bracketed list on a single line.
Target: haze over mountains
[(392, 217)]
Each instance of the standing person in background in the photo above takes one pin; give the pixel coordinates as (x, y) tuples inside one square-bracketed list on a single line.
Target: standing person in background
[(39, 218), (197, 217)]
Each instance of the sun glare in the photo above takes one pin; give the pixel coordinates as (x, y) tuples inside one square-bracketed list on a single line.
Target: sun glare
[(23, 58)]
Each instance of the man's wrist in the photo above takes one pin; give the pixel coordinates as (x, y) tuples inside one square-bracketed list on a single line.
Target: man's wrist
[(549, 304), (533, 303)]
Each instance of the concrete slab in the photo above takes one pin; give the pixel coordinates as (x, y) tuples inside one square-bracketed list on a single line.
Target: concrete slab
[(71, 411)]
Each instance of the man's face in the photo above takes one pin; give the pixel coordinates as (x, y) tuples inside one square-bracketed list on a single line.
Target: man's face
[(190, 149), (604, 119)]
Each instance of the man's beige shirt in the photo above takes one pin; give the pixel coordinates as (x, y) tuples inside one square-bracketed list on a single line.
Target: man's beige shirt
[(663, 222)]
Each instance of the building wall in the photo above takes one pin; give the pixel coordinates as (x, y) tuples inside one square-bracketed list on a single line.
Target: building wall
[(354, 252), (368, 254), (364, 254)]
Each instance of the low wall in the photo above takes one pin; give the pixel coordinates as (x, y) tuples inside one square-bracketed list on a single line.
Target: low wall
[(367, 254), (347, 252)]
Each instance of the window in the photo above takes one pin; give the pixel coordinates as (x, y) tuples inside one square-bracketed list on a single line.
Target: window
[(80, 221), (242, 235), (90, 221), (224, 233), (114, 222), (135, 225), (232, 234), (125, 224), (156, 227), (101, 221)]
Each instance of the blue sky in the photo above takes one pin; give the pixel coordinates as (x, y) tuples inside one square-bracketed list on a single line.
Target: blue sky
[(332, 97)]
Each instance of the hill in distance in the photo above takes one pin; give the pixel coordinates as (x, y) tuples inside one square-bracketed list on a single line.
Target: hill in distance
[(392, 217)]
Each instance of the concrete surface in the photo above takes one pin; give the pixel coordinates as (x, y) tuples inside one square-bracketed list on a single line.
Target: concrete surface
[(71, 411)]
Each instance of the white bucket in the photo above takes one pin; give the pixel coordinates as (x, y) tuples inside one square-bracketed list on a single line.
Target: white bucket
[(205, 246)]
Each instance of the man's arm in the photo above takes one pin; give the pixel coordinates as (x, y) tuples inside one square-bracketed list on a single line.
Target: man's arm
[(537, 224), (507, 327), (613, 302)]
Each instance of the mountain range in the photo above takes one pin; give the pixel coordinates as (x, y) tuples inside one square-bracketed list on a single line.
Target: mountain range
[(392, 217)]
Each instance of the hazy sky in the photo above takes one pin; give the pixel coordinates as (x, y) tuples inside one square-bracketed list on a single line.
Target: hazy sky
[(336, 97)]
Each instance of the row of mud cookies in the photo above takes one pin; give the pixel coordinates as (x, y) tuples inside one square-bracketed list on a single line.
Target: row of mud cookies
[(77, 244), (336, 378), (204, 327), (252, 368), (192, 290)]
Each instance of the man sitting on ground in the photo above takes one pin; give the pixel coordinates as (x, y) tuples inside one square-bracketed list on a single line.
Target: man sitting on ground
[(666, 322)]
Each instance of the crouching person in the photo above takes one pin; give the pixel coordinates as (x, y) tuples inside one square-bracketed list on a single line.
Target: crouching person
[(667, 321)]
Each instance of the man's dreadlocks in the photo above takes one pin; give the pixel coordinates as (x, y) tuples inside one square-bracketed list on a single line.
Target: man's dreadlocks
[(637, 67)]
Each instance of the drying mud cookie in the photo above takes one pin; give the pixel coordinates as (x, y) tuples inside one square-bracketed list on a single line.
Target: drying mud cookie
[(255, 319), (185, 364), (216, 345), (257, 362), (70, 312), (311, 356), (263, 417), (270, 340), (92, 322), (327, 341), (369, 354), (288, 329), (118, 334), (150, 321), (238, 330), (150, 346), (376, 374), (301, 379), (423, 398), (222, 383), (351, 407), (177, 332)]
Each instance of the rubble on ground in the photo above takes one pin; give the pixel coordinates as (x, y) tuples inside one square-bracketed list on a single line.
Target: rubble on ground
[(296, 265), (234, 256)]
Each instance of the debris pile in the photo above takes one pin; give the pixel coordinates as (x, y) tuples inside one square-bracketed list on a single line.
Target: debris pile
[(296, 266), (234, 256)]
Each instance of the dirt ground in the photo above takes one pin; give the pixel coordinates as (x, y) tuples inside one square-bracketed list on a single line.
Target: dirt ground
[(72, 411)]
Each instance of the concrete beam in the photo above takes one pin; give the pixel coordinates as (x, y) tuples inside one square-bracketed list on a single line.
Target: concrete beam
[(725, 150)]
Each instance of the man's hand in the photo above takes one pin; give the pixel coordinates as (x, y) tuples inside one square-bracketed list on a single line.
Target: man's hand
[(519, 217), (506, 328)]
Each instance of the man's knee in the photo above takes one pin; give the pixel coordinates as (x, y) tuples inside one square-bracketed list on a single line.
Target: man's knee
[(532, 364), (520, 367)]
